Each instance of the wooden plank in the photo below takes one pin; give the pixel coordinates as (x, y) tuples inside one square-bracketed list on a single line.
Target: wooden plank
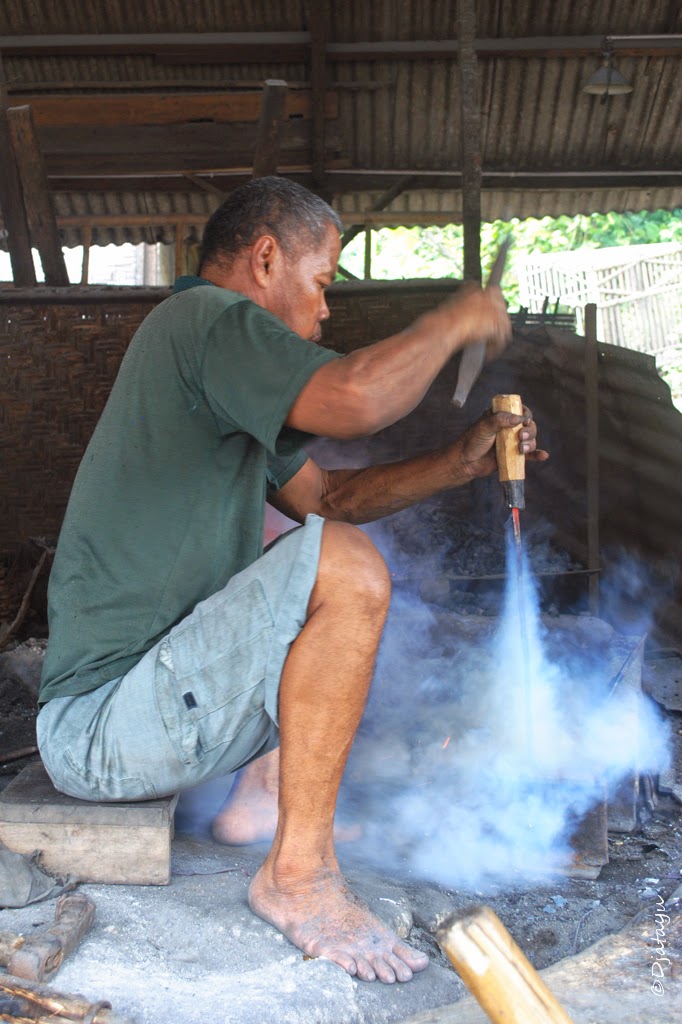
[(194, 148), (266, 152), (111, 854), (38, 204), (12, 204), (176, 139), (127, 843), (31, 797), (470, 113), (171, 108), (592, 451)]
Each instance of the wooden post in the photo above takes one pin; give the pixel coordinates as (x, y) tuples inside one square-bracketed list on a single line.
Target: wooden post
[(12, 203), (87, 242), (495, 970), (592, 453), (40, 212), (319, 28), (368, 252), (179, 250), (273, 104), (470, 115)]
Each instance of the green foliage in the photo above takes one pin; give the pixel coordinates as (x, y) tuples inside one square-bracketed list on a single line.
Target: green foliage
[(399, 253)]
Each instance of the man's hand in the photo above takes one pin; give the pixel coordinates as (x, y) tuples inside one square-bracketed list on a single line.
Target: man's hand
[(476, 446), (474, 314)]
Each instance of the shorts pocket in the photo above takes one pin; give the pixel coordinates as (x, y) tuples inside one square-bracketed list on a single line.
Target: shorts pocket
[(210, 677)]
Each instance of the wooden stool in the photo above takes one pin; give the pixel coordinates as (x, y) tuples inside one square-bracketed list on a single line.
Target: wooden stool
[(114, 843)]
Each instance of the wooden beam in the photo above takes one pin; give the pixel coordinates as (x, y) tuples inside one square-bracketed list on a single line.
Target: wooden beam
[(171, 108), (205, 186), (319, 30), (179, 249), (12, 202), (292, 47), (156, 86), (171, 47), (87, 242), (341, 179), (592, 452), (470, 114), (197, 148), (266, 153), (368, 253), (38, 203)]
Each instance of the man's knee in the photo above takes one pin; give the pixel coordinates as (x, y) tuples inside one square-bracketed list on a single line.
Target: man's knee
[(351, 564)]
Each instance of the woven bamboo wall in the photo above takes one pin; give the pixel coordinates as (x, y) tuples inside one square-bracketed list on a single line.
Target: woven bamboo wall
[(60, 360)]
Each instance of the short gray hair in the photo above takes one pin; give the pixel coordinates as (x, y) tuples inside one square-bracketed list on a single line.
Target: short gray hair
[(275, 206)]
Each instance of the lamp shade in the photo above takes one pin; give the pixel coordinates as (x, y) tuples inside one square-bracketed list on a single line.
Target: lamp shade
[(607, 79)]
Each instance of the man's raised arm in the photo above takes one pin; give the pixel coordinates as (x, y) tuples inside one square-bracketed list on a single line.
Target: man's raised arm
[(377, 385)]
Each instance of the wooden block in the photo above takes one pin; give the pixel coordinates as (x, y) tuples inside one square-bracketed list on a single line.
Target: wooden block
[(114, 843)]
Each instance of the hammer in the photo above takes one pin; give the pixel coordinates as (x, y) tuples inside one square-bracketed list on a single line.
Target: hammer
[(37, 957)]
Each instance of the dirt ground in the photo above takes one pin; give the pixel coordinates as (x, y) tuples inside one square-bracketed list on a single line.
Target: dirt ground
[(551, 919)]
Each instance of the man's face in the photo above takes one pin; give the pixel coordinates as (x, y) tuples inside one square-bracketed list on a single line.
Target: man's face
[(297, 292)]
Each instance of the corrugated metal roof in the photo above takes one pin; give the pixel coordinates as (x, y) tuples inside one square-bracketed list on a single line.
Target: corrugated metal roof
[(403, 114)]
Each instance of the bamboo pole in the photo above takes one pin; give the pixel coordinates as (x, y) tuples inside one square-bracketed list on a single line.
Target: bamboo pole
[(495, 970)]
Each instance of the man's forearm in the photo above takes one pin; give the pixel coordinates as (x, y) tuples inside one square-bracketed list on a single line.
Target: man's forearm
[(363, 495)]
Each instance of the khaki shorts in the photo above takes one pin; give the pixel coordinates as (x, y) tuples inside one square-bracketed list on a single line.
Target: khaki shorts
[(201, 703)]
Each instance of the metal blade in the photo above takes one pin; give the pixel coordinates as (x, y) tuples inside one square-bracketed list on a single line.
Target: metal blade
[(473, 356)]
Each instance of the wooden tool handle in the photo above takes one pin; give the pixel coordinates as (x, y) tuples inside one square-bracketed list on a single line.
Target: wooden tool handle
[(41, 954), (495, 970), (511, 461)]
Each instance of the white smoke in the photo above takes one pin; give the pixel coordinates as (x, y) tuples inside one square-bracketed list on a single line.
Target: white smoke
[(480, 749)]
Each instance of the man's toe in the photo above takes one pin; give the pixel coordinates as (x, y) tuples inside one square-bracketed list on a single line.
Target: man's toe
[(401, 969), (384, 970), (365, 970), (415, 960)]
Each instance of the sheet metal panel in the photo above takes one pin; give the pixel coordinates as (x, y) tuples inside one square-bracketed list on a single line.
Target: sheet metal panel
[(404, 114)]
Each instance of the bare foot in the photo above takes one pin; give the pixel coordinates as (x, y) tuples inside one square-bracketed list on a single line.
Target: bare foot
[(242, 822), (323, 917)]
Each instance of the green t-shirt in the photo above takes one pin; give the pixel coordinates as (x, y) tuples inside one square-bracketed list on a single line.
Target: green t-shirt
[(169, 500)]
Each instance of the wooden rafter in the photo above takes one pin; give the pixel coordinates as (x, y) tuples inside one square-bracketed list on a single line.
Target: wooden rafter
[(292, 47), (267, 152), (12, 202)]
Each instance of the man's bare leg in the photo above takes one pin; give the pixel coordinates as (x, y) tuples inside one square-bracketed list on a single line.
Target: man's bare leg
[(249, 815), (299, 889)]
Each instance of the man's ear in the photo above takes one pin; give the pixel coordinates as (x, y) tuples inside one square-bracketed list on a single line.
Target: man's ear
[(264, 252)]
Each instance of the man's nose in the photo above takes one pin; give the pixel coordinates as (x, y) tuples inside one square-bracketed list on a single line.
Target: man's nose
[(324, 313)]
